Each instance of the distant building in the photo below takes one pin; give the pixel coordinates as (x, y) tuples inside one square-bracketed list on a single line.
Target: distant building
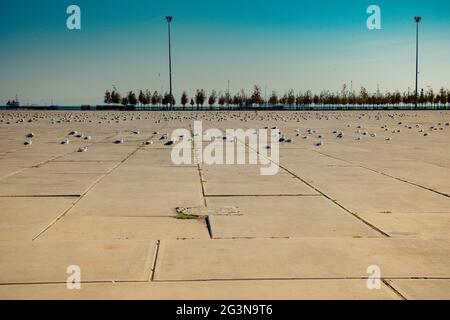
[(13, 104)]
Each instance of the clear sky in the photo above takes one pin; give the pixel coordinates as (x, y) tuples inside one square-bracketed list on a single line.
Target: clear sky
[(278, 44)]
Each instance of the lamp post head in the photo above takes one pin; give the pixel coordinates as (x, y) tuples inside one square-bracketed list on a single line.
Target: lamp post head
[(169, 18), (417, 19)]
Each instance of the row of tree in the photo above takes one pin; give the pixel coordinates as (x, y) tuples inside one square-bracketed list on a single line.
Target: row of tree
[(241, 99)]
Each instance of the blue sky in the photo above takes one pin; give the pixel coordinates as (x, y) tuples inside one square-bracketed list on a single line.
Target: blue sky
[(280, 45)]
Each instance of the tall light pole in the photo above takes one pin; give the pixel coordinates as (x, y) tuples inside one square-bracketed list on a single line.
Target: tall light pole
[(417, 19), (169, 20)]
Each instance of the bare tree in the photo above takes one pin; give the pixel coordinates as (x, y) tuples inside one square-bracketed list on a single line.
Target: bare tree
[(429, 97), (184, 99), (124, 101), (316, 100), (290, 97), (256, 96), (422, 99), (443, 96), (155, 98), (212, 98), (344, 94), (107, 99), (243, 98), (116, 98), (132, 100), (200, 97), (363, 96), (273, 100), (237, 100), (228, 99), (221, 100), (142, 98), (168, 99), (148, 97), (308, 98), (165, 99)]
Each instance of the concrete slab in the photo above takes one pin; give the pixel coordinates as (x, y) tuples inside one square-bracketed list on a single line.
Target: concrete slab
[(8, 169), (35, 183), (128, 204), (145, 193), (76, 167), (41, 262), (290, 226), (24, 218), (422, 289), (205, 290), (418, 172), (130, 171), (247, 180), (307, 157), (265, 217), (125, 228), (301, 258), (417, 225), (364, 191), (101, 152), (151, 156)]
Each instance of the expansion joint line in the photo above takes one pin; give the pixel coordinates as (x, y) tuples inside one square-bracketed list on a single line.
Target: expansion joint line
[(387, 175), (387, 284), (323, 194), (200, 174), (199, 168), (408, 182), (155, 260), (47, 161), (84, 194)]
